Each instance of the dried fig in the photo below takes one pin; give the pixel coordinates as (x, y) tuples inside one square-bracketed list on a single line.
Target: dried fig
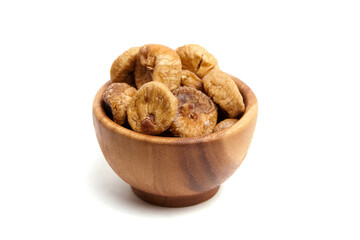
[(152, 109), (117, 96), (196, 113), (122, 69), (223, 90), (225, 124), (196, 59), (189, 79), (158, 63)]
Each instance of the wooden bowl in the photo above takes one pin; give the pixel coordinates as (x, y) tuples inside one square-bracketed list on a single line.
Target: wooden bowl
[(175, 172)]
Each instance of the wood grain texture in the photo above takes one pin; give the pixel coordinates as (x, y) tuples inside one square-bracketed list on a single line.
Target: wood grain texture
[(180, 169), (170, 201)]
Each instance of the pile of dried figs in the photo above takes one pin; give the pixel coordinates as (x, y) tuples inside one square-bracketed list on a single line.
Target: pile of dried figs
[(182, 93)]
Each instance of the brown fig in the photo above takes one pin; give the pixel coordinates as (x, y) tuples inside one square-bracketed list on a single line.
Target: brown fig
[(196, 113), (152, 109), (189, 79), (196, 59), (158, 63), (122, 69), (225, 124), (223, 90), (117, 96)]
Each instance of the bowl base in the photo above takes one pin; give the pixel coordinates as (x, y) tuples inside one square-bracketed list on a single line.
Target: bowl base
[(182, 201)]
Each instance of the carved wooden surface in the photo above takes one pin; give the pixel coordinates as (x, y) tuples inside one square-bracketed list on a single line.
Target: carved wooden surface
[(171, 171)]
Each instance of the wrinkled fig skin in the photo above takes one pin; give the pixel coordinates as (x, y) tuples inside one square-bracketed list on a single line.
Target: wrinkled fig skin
[(122, 69), (196, 59), (158, 63), (196, 113), (152, 109), (223, 91), (189, 79), (117, 97), (225, 124)]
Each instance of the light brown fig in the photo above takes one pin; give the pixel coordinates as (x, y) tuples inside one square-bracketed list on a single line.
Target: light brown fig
[(122, 69), (152, 109), (196, 113), (196, 59), (223, 90), (189, 79), (158, 63), (225, 124), (117, 97)]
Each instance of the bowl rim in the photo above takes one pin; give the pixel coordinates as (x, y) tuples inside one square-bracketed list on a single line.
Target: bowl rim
[(250, 115)]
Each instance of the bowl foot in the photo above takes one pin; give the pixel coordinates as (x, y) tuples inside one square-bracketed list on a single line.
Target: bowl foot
[(182, 201)]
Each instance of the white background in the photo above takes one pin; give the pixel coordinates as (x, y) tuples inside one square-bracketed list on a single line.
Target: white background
[(301, 178)]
